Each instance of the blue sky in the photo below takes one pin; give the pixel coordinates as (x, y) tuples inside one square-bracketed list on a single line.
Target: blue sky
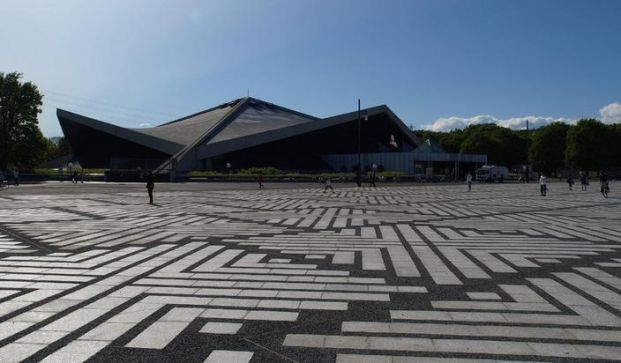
[(437, 63)]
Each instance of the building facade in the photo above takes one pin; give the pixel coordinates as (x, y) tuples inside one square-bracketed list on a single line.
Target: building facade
[(249, 132)]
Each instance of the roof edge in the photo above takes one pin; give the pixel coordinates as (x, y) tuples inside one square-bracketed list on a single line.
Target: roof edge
[(128, 134)]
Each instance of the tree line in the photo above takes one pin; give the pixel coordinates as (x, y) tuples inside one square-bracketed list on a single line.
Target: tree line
[(22, 145), (589, 145)]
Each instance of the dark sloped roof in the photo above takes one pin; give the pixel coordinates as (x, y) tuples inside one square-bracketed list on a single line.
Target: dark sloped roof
[(163, 145), (259, 116), (186, 130), (246, 117), (215, 148)]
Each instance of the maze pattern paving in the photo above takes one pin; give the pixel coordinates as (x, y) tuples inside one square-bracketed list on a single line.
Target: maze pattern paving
[(392, 274)]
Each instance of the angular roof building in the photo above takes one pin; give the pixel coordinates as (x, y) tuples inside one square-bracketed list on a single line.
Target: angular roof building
[(245, 132)]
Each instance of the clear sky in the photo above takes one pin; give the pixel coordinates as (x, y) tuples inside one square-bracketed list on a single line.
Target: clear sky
[(436, 63)]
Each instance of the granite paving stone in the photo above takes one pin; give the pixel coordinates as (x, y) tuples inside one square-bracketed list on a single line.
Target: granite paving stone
[(400, 273)]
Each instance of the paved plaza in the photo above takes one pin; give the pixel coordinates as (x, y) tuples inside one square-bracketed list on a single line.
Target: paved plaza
[(426, 273)]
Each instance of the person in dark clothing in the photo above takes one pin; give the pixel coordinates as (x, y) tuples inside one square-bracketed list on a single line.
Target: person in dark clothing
[(372, 181), (603, 180), (584, 180), (150, 186), (260, 180), (570, 182)]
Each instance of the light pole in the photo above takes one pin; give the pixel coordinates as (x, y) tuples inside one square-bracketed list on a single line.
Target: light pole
[(527, 153), (359, 172)]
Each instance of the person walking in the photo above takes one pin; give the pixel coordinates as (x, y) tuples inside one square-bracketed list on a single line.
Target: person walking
[(469, 181), (260, 179), (372, 180), (584, 180), (328, 185), (570, 182), (150, 186), (542, 185), (16, 177), (603, 181), (74, 176)]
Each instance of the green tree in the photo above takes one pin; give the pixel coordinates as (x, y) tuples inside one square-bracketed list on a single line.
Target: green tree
[(502, 145), (32, 150), (590, 146), (479, 141), (57, 147), (547, 151), (615, 149), (511, 146), (21, 142), (451, 141), (434, 136)]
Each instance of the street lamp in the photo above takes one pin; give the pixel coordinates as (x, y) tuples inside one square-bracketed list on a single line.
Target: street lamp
[(359, 174), (527, 153)]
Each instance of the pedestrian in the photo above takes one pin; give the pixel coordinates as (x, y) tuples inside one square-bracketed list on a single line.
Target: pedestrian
[(469, 181), (570, 182), (260, 179), (150, 186), (372, 181), (16, 177), (603, 180), (542, 185), (82, 175), (1, 179), (74, 176), (328, 185), (584, 180)]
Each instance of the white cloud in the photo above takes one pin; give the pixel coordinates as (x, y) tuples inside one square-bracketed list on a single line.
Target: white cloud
[(515, 123), (519, 123), (611, 113), (145, 124)]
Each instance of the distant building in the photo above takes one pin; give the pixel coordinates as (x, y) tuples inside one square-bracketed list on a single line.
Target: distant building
[(250, 132)]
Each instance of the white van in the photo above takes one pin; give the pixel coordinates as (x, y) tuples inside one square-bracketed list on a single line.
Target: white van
[(492, 173)]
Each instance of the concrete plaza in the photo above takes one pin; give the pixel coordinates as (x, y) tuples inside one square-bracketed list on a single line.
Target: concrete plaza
[(230, 273)]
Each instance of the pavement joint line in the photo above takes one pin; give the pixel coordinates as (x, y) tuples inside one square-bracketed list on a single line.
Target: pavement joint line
[(20, 237), (270, 350)]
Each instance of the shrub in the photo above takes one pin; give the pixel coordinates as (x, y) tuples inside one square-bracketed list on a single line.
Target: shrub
[(265, 170), (203, 174)]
